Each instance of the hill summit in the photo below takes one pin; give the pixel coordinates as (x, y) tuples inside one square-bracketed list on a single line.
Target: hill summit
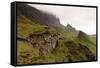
[(82, 35), (38, 16), (69, 28)]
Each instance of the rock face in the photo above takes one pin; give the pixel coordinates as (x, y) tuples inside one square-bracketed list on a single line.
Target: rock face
[(78, 49), (82, 35), (46, 41), (38, 16), (83, 49), (71, 31), (69, 28)]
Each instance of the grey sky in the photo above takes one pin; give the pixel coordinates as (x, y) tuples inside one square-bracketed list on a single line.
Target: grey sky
[(81, 18)]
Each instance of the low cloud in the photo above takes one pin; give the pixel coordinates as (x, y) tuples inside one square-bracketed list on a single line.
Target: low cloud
[(82, 18)]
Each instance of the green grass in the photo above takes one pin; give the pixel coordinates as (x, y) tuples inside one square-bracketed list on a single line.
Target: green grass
[(60, 51), (26, 27), (90, 45), (93, 39), (27, 54)]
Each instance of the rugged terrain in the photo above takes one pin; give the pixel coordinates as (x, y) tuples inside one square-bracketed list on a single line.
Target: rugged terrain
[(42, 39)]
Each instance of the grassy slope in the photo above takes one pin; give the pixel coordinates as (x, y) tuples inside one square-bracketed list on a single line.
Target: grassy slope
[(26, 53), (26, 27), (90, 45), (64, 52), (93, 39)]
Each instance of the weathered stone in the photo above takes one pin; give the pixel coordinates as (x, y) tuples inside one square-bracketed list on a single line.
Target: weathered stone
[(46, 42)]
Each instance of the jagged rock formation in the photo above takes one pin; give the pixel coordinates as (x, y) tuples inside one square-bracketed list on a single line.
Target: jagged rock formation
[(82, 35), (69, 28), (45, 41), (38, 16), (71, 31)]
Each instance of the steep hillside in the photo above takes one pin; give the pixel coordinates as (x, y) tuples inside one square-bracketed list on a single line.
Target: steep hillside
[(42, 39), (69, 28), (71, 32), (39, 16)]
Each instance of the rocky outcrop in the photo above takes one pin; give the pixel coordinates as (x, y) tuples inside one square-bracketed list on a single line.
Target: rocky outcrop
[(38, 16), (84, 50), (78, 50), (46, 41), (69, 28), (82, 35)]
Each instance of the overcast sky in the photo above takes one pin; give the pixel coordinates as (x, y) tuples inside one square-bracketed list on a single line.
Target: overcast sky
[(81, 18)]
